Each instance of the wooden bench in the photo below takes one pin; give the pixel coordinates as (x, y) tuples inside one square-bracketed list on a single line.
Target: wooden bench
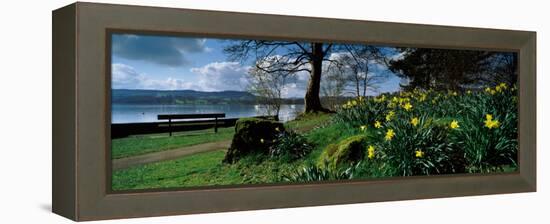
[(171, 117)]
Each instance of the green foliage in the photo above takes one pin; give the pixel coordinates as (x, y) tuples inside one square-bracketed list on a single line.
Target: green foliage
[(311, 172), (418, 150), (431, 145), (347, 151), (488, 150), (290, 146), (367, 112), (252, 135)]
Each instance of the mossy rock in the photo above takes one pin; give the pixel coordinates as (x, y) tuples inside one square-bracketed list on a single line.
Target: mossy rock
[(347, 151), (252, 136)]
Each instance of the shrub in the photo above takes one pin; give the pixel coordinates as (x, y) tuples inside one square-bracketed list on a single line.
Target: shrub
[(420, 149), (347, 151), (290, 145), (325, 172), (366, 111), (435, 132), (489, 149), (252, 136)]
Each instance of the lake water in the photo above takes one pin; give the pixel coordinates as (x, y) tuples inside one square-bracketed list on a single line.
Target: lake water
[(124, 113)]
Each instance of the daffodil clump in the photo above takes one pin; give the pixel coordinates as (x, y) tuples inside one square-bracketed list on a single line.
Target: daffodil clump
[(422, 132)]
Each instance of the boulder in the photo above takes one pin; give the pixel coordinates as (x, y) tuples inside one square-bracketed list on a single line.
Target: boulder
[(347, 151), (252, 136)]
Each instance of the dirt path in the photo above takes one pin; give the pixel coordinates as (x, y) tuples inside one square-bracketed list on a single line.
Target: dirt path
[(169, 154)]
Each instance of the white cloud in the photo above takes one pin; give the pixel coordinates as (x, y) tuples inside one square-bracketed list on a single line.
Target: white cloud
[(126, 77), (219, 76), (398, 56), (216, 76)]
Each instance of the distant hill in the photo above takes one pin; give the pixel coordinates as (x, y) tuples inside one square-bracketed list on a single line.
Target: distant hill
[(138, 96)]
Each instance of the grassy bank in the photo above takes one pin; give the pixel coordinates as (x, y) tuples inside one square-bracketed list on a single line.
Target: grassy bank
[(207, 169), (143, 144)]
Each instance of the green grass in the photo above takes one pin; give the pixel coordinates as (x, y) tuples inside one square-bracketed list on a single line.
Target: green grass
[(307, 122), (139, 145), (203, 169), (207, 169), (189, 171)]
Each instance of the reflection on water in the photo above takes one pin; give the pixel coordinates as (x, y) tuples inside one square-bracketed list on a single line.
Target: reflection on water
[(124, 113)]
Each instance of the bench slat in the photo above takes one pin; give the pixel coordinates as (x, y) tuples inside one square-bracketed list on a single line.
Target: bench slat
[(189, 116)]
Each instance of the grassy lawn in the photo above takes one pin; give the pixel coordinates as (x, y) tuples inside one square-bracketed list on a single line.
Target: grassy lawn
[(207, 169), (305, 123), (143, 144), (188, 171), (203, 169)]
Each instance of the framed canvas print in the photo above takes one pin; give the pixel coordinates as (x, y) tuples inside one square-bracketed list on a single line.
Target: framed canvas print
[(202, 111)]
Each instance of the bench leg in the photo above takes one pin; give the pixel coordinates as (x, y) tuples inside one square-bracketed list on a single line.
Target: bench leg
[(216, 125), (170, 126)]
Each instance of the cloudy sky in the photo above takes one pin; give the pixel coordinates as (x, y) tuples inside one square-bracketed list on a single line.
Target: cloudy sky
[(177, 63)]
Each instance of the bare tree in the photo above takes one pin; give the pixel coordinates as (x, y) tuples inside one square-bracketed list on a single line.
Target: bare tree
[(294, 57), (356, 65), (333, 85), (269, 86)]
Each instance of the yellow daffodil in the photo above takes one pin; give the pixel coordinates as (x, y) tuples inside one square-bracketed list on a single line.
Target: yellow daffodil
[(363, 127), (277, 129), (454, 124), (503, 85), (490, 123), (377, 124), (418, 153), (488, 89), (469, 92), (422, 98), (354, 103), (262, 140), (370, 152), (380, 99), (455, 93), (348, 105), (390, 115), (389, 134), (394, 99), (414, 121), (493, 92), (407, 106)]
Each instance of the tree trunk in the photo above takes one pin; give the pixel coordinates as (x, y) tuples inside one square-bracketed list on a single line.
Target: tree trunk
[(312, 100)]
